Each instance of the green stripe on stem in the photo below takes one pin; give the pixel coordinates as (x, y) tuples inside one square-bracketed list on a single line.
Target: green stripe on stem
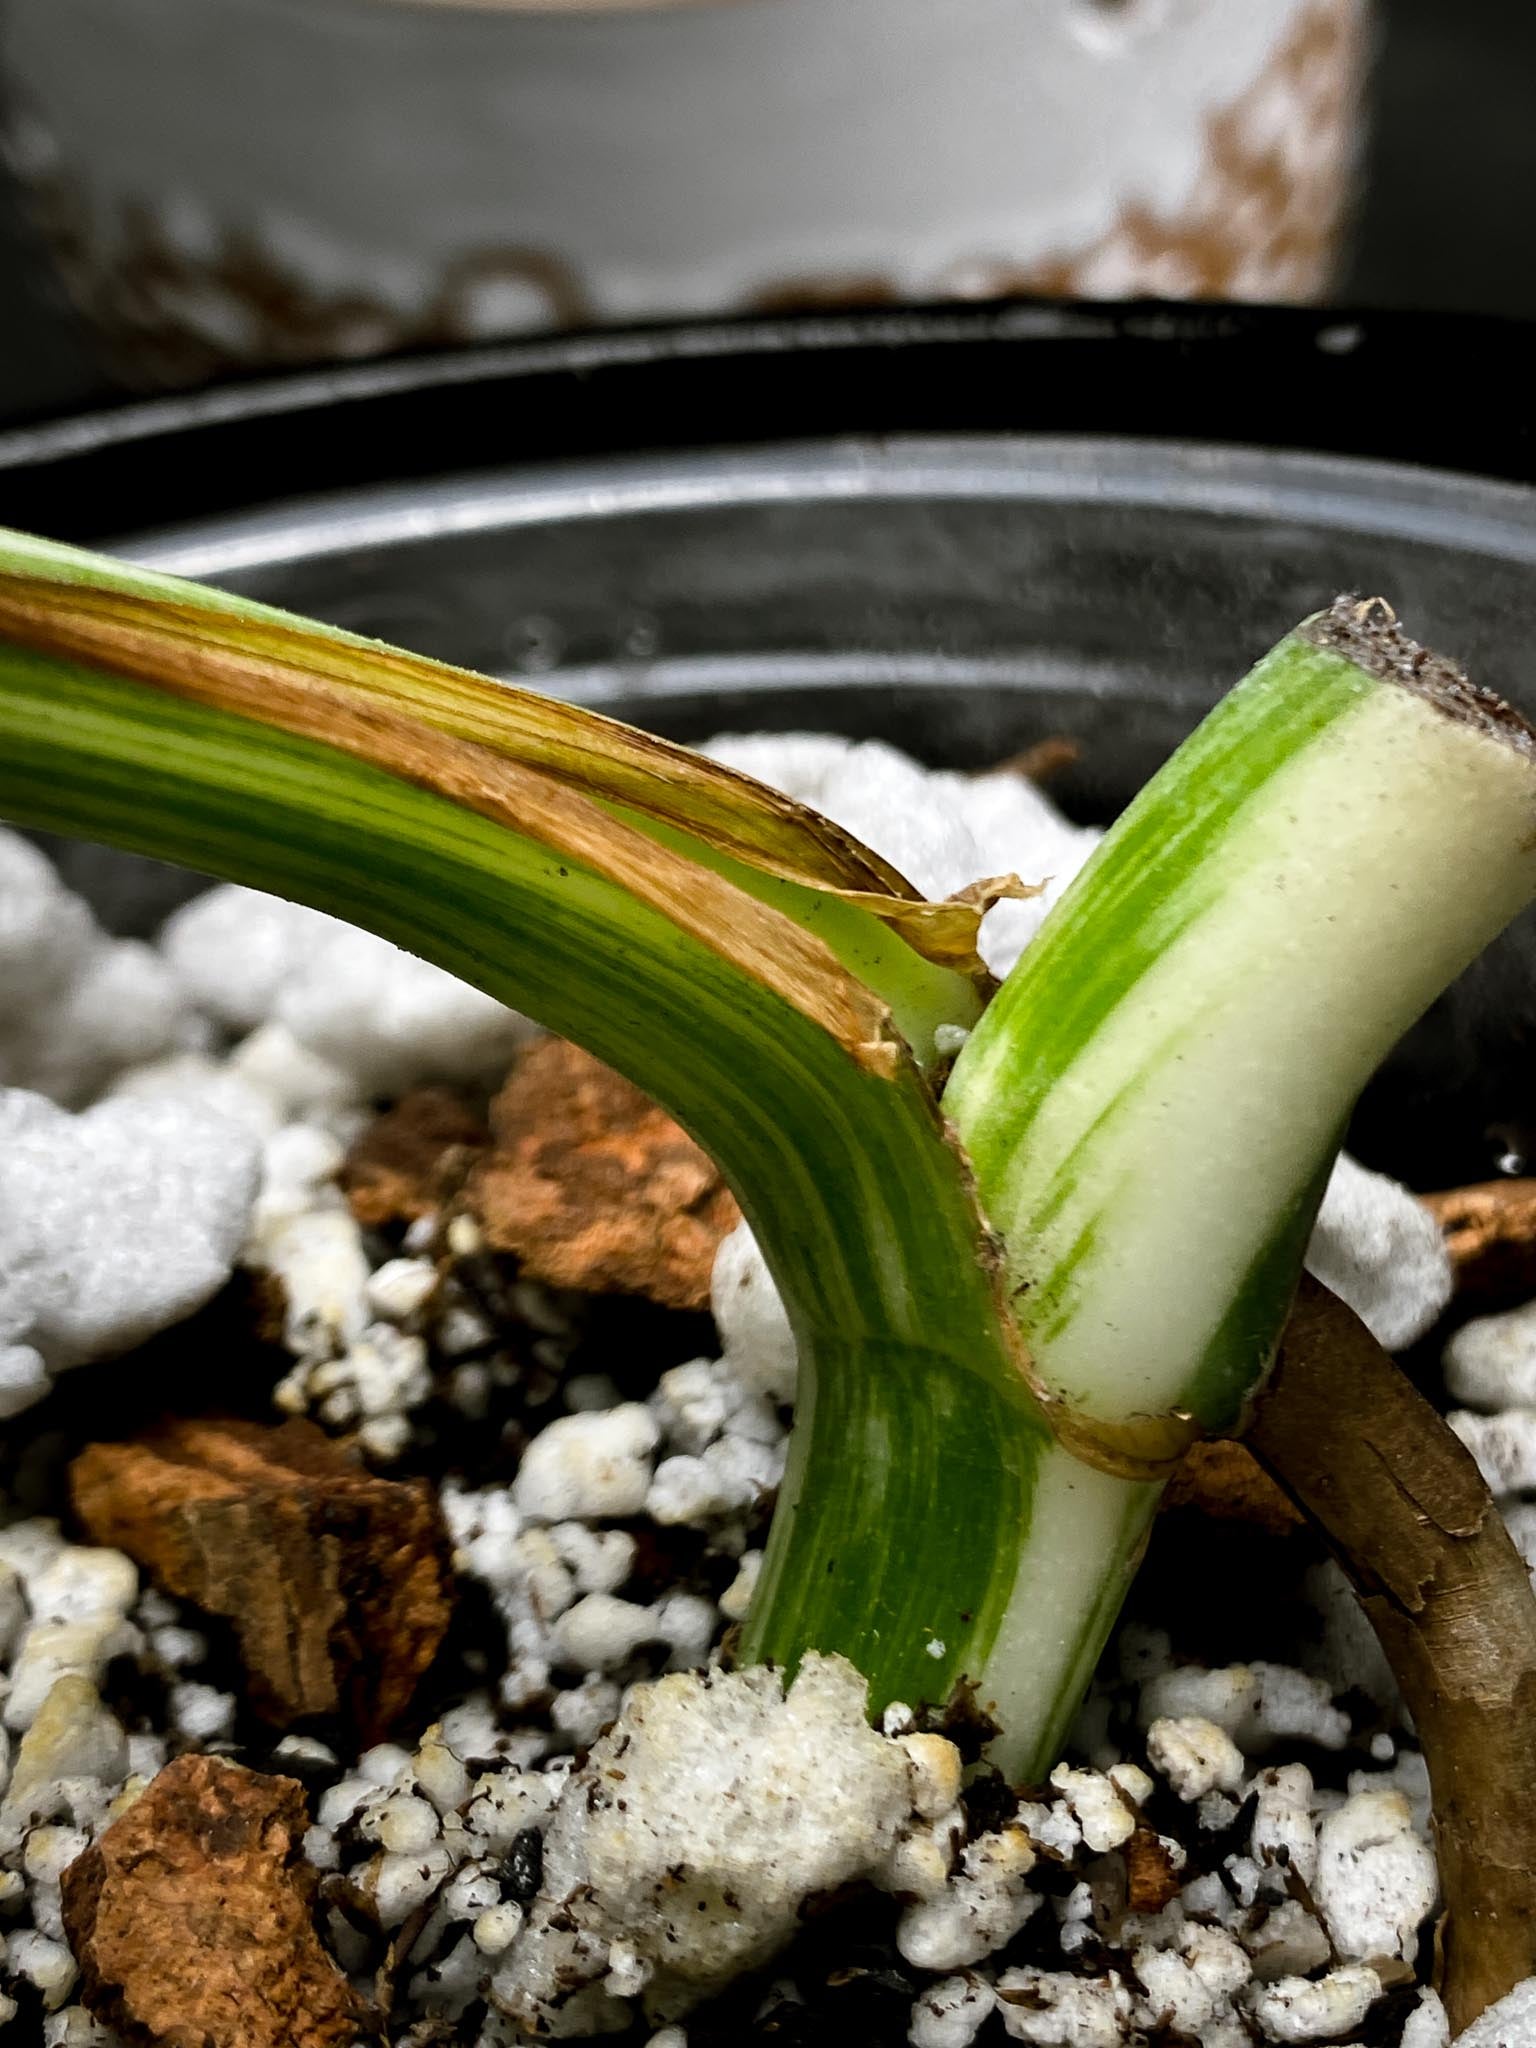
[(861, 1205), (918, 957), (1153, 1101)]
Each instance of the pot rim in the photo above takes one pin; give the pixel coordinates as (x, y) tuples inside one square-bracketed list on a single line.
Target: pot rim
[(1332, 382), (1353, 494)]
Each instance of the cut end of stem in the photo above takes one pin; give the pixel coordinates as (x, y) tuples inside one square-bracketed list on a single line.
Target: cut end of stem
[(1365, 630)]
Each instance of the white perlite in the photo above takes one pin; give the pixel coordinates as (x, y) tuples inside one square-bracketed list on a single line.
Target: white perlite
[(77, 1604), (1381, 1251), (1296, 2009), (588, 1465), (72, 1737), (1509, 2024), (1051, 2009), (354, 1362), (66, 1785), (266, 1081), (698, 1826), (1520, 1520), (754, 1330), (941, 830), (1287, 1942), (1490, 1362), (113, 1224), (1376, 1880), (1097, 1805), (1284, 1839), (1189, 1986), (1257, 1704), (980, 1909), (1504, 1446), (77, 1005), (1348, 1658), (1195, 1756), (951, 2013), (384, 1017), (306, 1237), (1427, 2026), (730, 1439)]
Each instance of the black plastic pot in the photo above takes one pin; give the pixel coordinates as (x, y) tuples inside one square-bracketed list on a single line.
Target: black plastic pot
[(963, 531)]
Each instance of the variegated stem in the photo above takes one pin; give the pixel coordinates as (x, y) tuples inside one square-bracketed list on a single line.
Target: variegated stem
[(1154, 1099), (1150, 1105), (507, 840)]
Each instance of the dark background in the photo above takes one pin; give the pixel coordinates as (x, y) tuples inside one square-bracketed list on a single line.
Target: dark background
[(1446, 218)]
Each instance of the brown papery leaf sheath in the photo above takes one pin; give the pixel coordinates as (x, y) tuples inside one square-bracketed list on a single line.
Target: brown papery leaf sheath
[(755, 938), (253, 665), (1450, 1599)]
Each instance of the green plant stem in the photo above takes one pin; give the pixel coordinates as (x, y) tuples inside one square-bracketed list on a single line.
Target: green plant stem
[(1150, 1105), (918, 957), (1154, 1099), (860, 1202)]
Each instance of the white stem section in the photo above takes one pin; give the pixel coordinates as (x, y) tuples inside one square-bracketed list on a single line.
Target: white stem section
[(1086, 1533), (1370, 869), (1153, 1100)]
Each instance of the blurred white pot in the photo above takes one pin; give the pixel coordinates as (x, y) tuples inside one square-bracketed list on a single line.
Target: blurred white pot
[(233, 182)]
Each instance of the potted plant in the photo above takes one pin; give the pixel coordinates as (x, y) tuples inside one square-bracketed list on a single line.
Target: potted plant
[(978, 1206)]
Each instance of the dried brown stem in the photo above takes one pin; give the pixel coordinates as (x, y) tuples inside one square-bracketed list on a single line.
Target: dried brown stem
[(1450, 1599)]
